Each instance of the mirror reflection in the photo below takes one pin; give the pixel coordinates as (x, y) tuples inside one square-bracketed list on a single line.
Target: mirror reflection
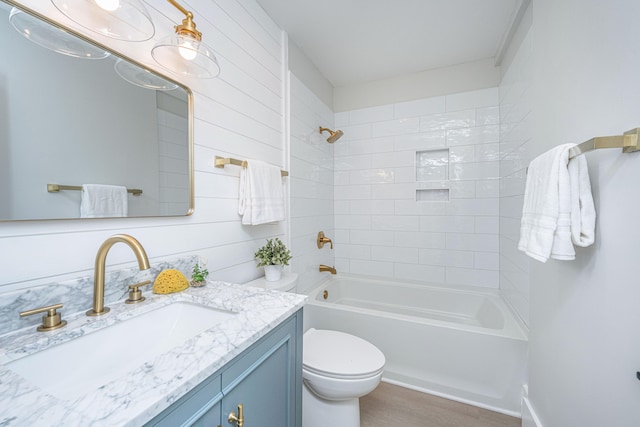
[(92, 123)]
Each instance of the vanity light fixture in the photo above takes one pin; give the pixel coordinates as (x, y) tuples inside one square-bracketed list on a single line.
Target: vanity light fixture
[(118, 19), (184, 53), (52, 37)]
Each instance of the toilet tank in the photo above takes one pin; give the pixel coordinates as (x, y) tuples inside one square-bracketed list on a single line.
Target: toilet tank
[(287, 283)]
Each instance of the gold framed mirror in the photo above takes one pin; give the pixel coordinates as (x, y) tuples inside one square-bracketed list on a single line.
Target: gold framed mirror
[(70, 122)]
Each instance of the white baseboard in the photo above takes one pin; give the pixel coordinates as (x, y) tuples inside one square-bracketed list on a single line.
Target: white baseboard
[(529, 417), (451, 397)]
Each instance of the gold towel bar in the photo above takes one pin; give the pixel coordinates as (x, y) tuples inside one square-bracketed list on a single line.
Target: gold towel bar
[(628, 142), (54, 188), (220, 162)]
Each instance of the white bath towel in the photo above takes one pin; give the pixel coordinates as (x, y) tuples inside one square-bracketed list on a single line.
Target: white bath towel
[(558, 207), (261, 193), (103, 201)]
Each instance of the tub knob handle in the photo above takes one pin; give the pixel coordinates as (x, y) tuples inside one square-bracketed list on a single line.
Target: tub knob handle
[(322, 240)]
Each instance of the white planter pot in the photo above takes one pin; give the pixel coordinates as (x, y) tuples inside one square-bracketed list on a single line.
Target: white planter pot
[(272, 273)]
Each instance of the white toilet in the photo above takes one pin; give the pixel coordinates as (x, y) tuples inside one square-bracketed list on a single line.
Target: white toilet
[(337, 369)]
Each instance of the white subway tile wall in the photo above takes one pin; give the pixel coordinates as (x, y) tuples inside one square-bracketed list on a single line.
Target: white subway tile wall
[(515, 148), (433, 195), (312, 178), (393, 154)]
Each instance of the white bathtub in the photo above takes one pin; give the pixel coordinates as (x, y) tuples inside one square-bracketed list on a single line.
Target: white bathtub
[(462, 344)]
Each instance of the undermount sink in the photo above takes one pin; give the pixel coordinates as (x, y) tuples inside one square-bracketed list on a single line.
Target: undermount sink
[(83, 364)]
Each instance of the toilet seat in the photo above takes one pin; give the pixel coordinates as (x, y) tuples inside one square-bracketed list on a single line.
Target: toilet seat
[(325, 374), (339, 355)]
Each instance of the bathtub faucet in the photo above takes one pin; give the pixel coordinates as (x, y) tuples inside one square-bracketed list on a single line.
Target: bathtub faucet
[(323, 267)]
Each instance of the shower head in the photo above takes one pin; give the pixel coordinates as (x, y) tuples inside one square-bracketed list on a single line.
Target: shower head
[(333, 136)]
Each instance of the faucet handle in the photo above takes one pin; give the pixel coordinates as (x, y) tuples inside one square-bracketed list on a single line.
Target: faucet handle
[(50, 321), (135, 294), (322, 240)]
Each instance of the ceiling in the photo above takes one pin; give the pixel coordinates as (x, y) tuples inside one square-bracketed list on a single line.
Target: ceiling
[(356, 41)]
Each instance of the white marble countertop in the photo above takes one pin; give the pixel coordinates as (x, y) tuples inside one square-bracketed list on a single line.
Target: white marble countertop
[(147, 390)]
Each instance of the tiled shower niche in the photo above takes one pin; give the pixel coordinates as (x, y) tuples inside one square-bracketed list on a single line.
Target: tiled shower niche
[(432, 175)]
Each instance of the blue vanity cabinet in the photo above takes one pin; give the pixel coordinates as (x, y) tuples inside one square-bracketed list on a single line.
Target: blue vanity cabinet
[(266, 379), (198, 408)]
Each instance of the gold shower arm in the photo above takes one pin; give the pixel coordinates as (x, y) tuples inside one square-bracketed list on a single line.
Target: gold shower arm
[(333, 135)]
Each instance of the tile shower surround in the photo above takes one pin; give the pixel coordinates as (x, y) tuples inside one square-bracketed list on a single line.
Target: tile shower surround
[(516, 141), (381, 228), (311, 183)]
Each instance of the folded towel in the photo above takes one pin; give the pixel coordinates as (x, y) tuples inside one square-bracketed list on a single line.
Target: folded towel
[(261, 193), (103, 201), (558, 207)]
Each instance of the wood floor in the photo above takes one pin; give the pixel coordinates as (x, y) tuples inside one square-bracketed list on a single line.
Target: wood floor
[(393, 406)]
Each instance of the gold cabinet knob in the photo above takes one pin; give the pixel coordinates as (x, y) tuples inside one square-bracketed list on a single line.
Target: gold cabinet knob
[(238, 419), (50, 321), (135, 294)]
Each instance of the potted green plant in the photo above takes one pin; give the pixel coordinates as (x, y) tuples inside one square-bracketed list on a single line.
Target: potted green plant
[(273, 257), (199, 276)]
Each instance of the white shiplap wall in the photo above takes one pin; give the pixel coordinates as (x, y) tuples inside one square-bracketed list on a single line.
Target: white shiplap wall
[(239, 114)]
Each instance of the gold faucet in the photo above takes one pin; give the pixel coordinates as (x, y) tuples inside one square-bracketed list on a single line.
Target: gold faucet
[(323, 267), (98, 278)]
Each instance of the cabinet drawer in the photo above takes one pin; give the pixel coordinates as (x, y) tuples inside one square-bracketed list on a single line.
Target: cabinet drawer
[(251, 358), (200, 404)]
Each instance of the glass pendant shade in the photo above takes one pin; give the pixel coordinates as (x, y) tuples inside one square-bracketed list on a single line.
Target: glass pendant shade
[(118, 19), (186, 56), (140, 77), (52, 37)]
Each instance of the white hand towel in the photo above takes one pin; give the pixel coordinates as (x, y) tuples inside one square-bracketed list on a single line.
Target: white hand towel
[(558, 207), (103, 201), (583, 211), (261, 193), (562, 248)]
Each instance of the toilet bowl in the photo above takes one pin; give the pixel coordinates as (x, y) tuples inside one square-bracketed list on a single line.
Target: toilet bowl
[(337, 369)]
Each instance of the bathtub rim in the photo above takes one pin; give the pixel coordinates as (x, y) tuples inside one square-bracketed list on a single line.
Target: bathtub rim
[(513, 326)]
